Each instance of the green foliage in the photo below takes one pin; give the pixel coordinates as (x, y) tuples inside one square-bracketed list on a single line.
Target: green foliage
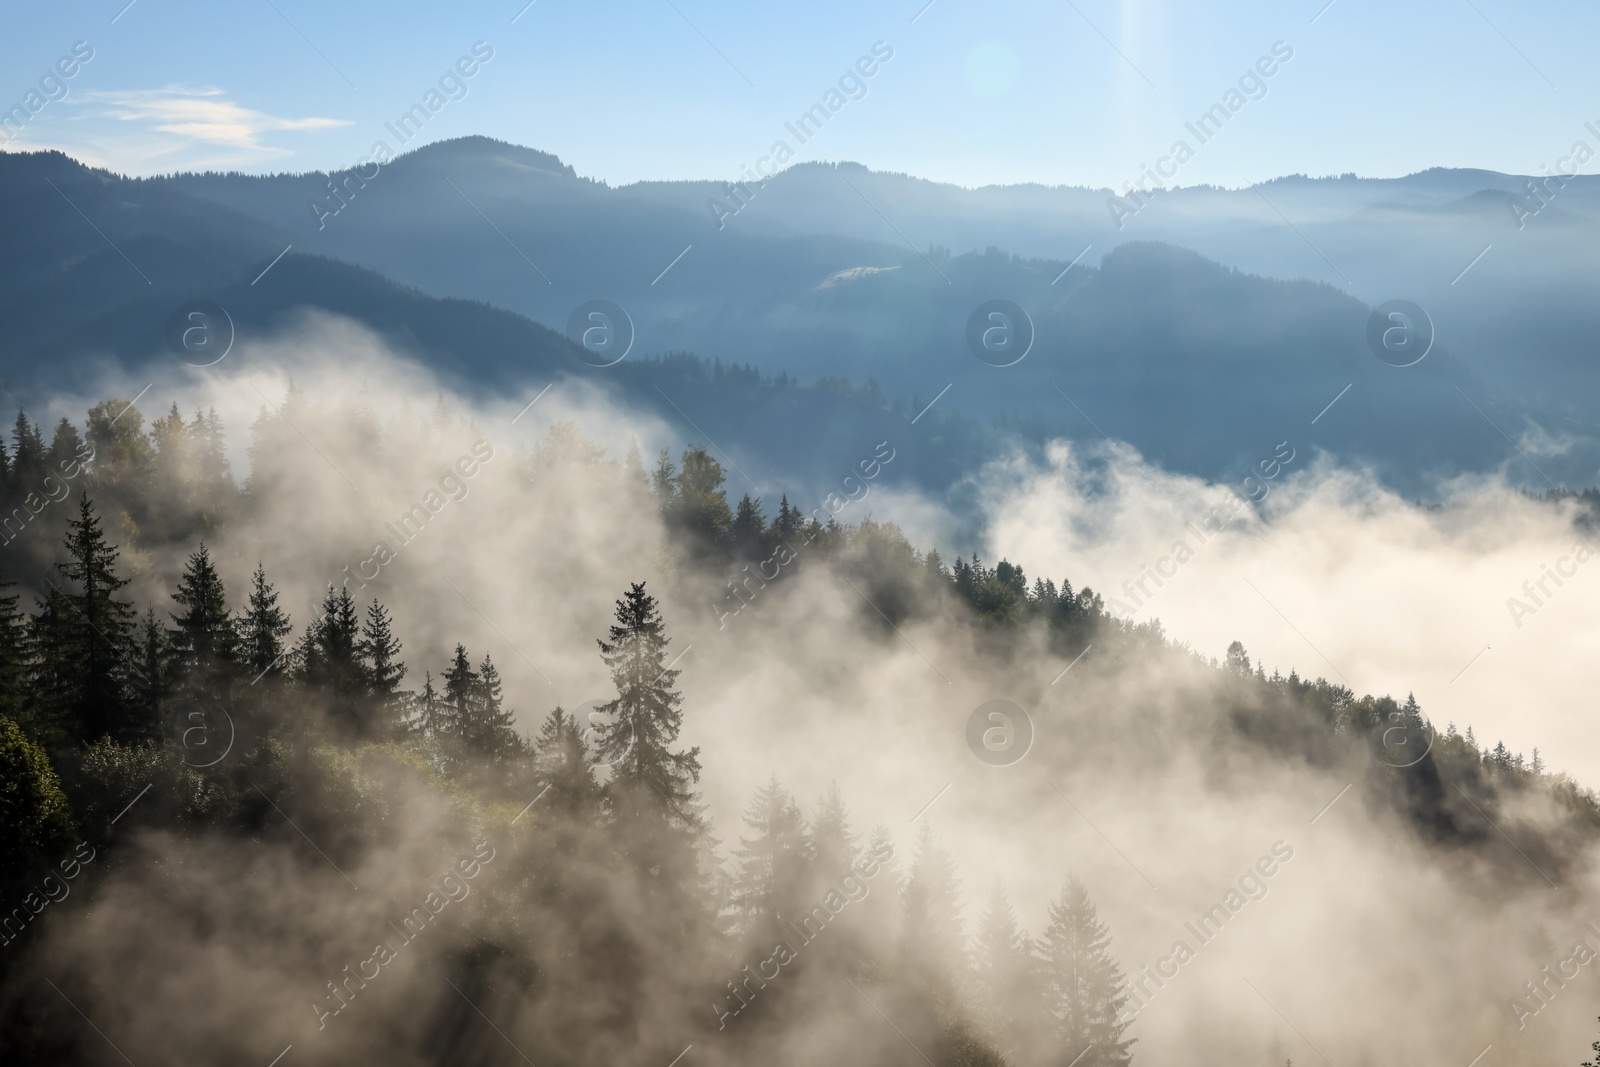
[(34, 821)]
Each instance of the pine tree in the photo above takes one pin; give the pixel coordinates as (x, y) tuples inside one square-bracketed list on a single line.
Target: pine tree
[(749, 530), (1007, 973), (65, 447), (773, 863), (84, 642), (656, 811), (789, 521), (651, 781), (157, 679), (430, 721), (833, 846), (262, 628), (562, 765), (205, 642), (931, 946), (664, 480), (1083, 984), (490, 731), (379, 651), (330, 661), (28, 457), (460, 689)]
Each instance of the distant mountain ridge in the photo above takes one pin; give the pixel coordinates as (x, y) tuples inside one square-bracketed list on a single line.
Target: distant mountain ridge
[(1199, 364)]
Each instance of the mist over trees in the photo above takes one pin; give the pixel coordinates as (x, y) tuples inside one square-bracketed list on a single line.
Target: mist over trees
[(141, 741)]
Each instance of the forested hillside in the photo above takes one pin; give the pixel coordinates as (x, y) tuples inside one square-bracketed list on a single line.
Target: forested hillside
[(225, 820)]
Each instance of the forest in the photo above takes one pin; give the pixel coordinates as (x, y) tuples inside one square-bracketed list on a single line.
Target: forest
[(164, 745)]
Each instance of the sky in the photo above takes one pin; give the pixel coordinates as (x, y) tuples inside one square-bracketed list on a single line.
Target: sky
[(1068, 92)]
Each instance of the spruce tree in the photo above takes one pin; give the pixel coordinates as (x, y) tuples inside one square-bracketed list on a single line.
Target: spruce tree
[(789, 521), (773, 864), (1083, 984), (651, 781), (262, 628), (748, 532), (833, 846), (28, 457), (931, 948), (490, 731), (205, 642), (651, 786), (561, 764), (83, 637), (1007, 974), (430, 710), (158, 676), (330, 661), (379, 650), (460, 689)]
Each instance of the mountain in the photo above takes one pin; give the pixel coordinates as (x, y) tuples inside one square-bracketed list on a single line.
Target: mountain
[(472, 254)]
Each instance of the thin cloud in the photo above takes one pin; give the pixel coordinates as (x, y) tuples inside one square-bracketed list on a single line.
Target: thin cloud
[(203, 115)]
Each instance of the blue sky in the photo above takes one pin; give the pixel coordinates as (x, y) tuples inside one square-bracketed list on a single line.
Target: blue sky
[(1079, 92)]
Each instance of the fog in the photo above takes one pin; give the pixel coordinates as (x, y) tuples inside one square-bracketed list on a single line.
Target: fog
[(1366, 944)]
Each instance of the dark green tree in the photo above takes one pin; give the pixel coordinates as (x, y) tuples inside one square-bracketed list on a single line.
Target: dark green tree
[(489, 731), (748, 532), (460, 689), (331, 661), (14, 654), (83, 639), (380, 656), (650, 780), (33, 811), (205, 641), (262, 629)]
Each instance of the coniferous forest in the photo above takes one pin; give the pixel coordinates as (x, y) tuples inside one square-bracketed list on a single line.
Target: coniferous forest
[(233, 826)]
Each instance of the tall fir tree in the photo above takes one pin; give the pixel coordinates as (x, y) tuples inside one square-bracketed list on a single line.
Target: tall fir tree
[(562, 766), (1083, 984), (932, 947), (651, 780), (379, 650), (460, 689), (206, 641), (657, 813), (331, 660), (748, 533), (490, 728), (157, 681), (262, 628), (83, 639), (773, 863), (1009, 1003)]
